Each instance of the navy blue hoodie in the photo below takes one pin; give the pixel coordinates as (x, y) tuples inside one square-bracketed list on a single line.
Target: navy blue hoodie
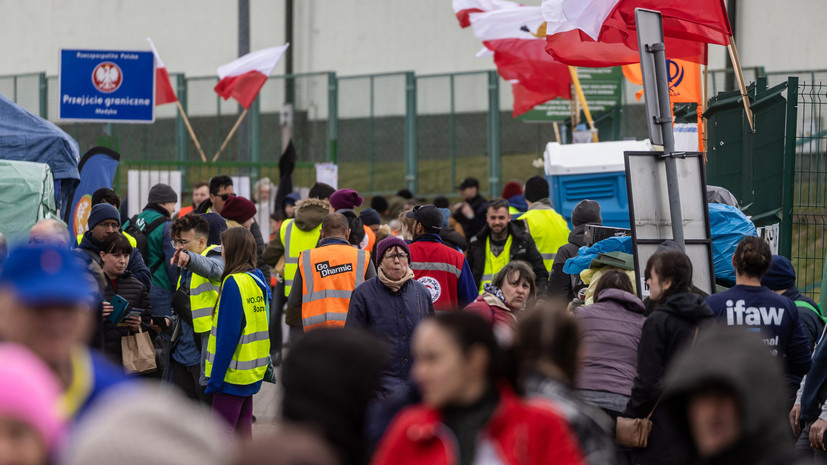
[(775, 317)]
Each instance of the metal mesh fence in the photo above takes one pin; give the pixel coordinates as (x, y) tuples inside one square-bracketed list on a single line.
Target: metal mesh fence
[(372, 132), (810, 195)]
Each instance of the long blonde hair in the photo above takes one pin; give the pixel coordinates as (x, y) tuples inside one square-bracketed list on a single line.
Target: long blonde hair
[(240, 254)]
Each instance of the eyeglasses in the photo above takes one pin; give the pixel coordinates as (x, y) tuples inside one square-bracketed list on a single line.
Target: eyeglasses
[(109, 224), (394, 257), (224, 197), (176, 242)]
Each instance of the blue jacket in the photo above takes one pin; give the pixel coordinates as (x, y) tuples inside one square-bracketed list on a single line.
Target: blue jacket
[(100, 373), (815, 386), (775, 317), (229, 327), (392, 315)]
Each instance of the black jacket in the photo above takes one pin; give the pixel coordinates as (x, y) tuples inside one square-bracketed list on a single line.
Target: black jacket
[(559, 282), (477, 223), (812, 323), (669, 328), (136, 265), (522, 248), (136, 294)]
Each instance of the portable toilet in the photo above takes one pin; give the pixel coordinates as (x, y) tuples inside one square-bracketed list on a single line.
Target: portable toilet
[(593, 171)]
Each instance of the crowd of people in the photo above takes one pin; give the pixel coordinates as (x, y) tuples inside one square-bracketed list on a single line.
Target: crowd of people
[(418, 333)]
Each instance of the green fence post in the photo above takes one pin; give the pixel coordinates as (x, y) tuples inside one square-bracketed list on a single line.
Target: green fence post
[(372, 135), (255, 138), (410, 132), (332, 117), (453, 135), (494, 162), (181, 134), (44, 95), (785, 246)]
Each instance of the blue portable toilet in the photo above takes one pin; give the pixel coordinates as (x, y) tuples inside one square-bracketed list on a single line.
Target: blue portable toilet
[(593, 171)]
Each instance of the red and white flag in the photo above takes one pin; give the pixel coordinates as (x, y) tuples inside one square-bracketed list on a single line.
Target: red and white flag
[(602, 32), (516, 37), (244, 77), (464, 8), (164, 92)]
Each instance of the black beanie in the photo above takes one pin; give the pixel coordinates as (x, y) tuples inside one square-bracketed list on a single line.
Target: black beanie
[(586, 212), (536, 188)]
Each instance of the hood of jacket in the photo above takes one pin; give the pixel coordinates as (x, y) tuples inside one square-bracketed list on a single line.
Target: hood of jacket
[(686, 305), (310, 213), (88, 243), (577, 236), (738, 361), (519, 202), (620, 297)]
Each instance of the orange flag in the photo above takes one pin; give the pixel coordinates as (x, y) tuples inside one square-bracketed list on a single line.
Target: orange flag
[(684, 80)]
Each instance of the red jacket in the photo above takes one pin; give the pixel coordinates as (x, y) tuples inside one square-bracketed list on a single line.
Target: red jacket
[(438, 267), (521, 434), (491, 309)]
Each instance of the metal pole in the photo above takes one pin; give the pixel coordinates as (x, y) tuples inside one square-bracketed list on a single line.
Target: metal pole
[(494, 161), (243, 49), (411, 168), (332, 117), (665, 122), (785, 243)]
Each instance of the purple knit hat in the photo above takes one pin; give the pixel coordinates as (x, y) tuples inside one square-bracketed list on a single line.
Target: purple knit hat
[(346, 199), (389, 242)]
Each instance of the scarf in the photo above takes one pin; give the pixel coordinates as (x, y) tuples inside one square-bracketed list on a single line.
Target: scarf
[(495, 291), (394, 285)]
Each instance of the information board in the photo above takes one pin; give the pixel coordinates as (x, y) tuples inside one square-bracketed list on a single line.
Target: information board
[(601, 86), (107, 85)]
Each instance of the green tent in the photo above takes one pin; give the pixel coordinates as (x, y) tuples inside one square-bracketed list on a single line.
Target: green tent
[(27, 195)]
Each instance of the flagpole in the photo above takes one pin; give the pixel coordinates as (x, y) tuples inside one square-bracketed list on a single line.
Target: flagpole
[(582, 97), (230, 135), (557, 132), (706, 99), (739, 75), (189, 128)]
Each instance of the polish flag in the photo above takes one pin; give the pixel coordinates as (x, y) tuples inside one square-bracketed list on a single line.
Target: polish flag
[(516, 38), (464, 8), (244, 77), (602, 32), (164, 92)]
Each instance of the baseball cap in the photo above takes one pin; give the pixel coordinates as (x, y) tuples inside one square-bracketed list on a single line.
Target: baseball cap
[(427, 215), (47, 275), (468, 182)]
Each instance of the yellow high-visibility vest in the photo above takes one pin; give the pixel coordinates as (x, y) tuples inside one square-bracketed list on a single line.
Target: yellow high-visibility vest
[(203, 294), (295, 242), (549, 230), (493, 264), (252, 354)]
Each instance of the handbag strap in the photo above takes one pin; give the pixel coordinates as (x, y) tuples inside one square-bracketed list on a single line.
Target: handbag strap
[(694, 338)]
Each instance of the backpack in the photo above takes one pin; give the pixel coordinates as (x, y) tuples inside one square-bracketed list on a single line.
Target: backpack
[(141, 237)]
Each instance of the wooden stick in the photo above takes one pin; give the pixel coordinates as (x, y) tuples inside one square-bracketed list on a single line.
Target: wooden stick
[(582, 97), (230, 135), (192, 133), (705, 100), (557, 132), (739, 75)]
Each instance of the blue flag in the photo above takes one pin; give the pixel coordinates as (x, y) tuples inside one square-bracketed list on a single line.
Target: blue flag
[(97, 170)]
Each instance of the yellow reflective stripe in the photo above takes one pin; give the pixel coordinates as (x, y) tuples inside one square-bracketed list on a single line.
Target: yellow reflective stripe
[(436, 266), (81, 385), (548, 256), (307, 274), (314, 320), (288, 231), (243, 365)]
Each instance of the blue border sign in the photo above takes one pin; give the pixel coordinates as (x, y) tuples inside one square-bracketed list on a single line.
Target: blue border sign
[(107, 85)]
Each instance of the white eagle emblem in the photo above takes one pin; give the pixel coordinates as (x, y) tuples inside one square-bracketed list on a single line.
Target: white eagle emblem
[(107, 77)]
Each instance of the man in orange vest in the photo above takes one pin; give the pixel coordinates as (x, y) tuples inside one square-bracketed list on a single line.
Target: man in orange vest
[(327, 276)]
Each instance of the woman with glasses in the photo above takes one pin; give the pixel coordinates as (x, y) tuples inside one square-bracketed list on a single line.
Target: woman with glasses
[(392, 304)]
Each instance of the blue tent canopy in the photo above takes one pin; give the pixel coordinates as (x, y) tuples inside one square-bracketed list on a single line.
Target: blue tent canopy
[(28, 137)]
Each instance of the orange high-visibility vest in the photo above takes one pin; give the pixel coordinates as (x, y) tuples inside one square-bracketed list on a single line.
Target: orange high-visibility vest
[(329, 275), (369, 240)]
